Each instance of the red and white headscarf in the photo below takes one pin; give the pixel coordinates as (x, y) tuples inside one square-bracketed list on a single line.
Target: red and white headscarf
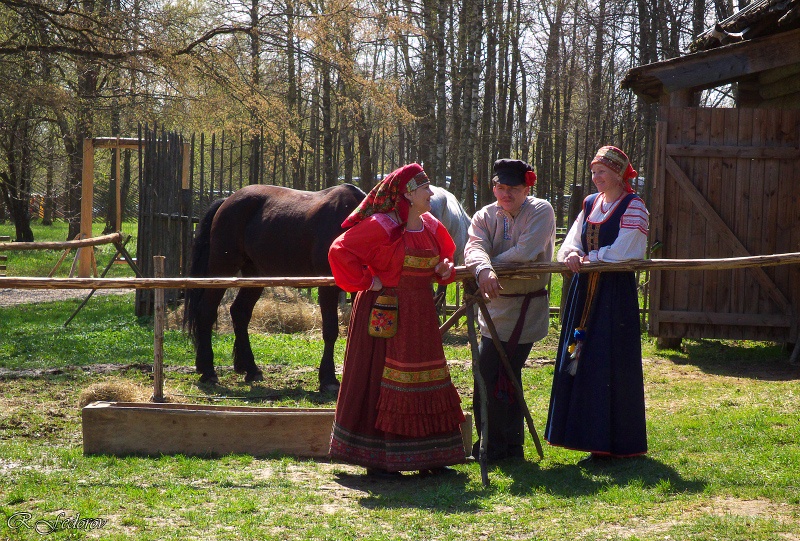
[(617, 161), (387, 195)]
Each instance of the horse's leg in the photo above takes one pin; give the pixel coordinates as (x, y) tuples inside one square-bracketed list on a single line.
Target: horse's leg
[(241, 312), (206, 317), (329, 308)]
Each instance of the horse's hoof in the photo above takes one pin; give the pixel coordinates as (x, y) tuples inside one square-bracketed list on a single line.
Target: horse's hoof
[(255, 376), (210, 379), (331, 387)]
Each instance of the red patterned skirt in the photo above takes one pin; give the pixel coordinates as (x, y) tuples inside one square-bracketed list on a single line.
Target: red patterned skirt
[(397, 408)]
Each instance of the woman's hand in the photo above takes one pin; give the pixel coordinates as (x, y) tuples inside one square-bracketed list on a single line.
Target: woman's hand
[(444, 269), (574, 261), (377, 285)]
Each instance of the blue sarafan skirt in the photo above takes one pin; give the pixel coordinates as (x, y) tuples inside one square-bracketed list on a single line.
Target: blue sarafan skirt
[(601, 408)]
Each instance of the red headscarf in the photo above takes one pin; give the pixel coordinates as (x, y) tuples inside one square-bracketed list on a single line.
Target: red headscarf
[(617, 161), (387, 194)]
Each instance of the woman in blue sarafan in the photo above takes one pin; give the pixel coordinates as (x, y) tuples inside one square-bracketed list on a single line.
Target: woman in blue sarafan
[(597, 399)]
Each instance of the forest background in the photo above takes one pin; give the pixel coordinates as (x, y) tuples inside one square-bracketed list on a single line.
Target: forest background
[(332, 91)]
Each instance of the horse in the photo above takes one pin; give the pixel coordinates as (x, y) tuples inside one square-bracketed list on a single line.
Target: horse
[(264, 230), (446, 208)]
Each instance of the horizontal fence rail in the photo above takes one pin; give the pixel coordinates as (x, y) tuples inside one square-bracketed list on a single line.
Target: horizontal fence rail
[(462, 273), (62, 245)]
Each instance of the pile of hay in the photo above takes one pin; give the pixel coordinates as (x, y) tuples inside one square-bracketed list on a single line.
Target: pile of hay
[(286, 310), (279, 310), (114, 390)]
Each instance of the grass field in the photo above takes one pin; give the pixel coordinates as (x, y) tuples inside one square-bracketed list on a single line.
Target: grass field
[(723, 429)]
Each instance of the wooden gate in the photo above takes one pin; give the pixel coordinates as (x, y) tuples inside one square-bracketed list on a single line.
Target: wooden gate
[(165, 210), (726, 184)]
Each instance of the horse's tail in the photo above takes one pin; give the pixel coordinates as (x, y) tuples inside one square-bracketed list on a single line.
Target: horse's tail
[(199, 268)]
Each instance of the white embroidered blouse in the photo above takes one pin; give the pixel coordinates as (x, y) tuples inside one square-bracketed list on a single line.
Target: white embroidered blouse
[(631, 243)]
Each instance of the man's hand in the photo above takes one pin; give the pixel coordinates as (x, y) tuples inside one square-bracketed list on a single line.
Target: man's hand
[(488, 284)]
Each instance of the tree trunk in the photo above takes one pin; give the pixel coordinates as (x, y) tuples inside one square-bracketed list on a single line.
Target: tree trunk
[(255, 161), (426, 91), (15, 183), (440, 157), (471, 111), (49, 204), (485, 158), (545, 144), (328, 169)]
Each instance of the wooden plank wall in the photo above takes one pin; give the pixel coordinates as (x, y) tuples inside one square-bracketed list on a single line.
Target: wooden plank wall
[(735, 191)]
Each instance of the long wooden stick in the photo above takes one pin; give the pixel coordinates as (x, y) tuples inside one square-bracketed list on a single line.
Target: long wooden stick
[(120, 250), (483, 458), (453, 319), (510, 372), (526, 270), (462, 273), (67, 244)]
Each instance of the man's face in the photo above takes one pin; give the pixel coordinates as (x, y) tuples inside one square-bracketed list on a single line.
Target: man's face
[(510, 198)]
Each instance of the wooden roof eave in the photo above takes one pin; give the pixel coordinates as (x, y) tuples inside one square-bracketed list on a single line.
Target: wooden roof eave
[(709, 69)]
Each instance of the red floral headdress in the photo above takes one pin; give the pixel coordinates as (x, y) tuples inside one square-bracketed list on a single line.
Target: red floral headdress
[(387, 194)]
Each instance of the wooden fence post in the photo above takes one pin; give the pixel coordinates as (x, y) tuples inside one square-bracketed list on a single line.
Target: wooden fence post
[(158, 333), (4, 257), (87, 204)]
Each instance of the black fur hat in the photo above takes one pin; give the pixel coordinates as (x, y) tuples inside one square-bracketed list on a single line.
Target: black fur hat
[(513, 173)]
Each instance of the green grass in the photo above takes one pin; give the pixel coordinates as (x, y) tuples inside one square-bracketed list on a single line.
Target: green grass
[(723, 428)]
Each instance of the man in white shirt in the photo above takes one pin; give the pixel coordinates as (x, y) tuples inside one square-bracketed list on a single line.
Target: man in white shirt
[(517, 228)]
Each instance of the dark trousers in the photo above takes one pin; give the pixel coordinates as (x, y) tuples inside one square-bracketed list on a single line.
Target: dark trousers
[(505, 417)]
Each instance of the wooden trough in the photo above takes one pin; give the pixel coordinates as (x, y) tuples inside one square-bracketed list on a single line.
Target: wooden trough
[(151, 429)]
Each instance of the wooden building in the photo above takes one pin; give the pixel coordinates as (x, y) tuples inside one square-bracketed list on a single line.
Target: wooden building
[(726, 181)]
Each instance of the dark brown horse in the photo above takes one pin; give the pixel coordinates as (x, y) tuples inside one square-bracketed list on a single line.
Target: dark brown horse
[(265, 231)]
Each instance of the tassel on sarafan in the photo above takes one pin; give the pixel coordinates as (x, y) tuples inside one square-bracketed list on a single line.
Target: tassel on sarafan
[(575, 350)]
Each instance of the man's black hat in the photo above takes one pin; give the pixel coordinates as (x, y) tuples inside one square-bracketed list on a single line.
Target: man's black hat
[(513, 172)]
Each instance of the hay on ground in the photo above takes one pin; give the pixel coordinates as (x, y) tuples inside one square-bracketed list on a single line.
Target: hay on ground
[(279, 310), (115, 390)]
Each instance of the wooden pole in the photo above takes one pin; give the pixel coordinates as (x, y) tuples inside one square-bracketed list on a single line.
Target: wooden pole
[(118, 191), (158, 333), (120, 250), (510, 372), (79, 242), (527, 270), (87, 193), (462, 273), (482, 457), (453, 319)]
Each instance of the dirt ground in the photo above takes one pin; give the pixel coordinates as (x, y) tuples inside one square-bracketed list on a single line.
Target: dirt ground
[(12, 297)]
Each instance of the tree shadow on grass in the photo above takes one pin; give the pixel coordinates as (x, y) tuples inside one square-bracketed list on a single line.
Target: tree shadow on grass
[(753, 360)]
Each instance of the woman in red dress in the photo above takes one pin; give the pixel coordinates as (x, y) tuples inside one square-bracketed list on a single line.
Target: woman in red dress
[(397, 409)]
